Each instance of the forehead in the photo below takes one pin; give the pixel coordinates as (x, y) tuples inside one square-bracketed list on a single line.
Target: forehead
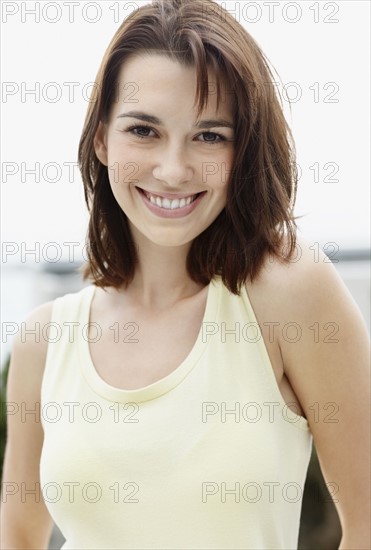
[(160, 82)]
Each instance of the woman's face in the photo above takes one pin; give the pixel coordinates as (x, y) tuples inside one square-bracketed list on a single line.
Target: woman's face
[(168, 172)]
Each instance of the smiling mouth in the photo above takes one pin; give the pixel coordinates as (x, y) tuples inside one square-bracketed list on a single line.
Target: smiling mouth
[(167, 203)]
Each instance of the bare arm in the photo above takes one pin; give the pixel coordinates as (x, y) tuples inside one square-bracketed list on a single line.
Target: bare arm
[(25, 520), (331, 377)]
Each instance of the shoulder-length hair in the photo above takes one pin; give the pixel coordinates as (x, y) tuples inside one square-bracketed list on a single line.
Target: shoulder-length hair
[(262, 184)]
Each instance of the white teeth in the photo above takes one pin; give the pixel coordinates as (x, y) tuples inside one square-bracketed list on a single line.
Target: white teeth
[(168, 204)]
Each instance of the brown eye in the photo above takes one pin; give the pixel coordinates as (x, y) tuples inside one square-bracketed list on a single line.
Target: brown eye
[(146, 130), (213, 135)]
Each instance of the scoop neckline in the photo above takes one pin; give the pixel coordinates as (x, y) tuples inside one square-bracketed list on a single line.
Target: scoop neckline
[(161, 386)]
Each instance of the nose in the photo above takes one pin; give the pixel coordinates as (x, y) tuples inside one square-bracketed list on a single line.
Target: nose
[(173, 166)]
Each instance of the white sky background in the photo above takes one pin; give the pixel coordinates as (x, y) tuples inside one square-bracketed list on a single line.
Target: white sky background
[(304, 52)]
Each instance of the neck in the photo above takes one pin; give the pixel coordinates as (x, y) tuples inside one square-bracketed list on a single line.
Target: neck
[(161, 278)]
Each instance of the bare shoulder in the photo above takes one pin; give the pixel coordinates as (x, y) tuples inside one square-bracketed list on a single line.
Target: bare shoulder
[(307, 261), (28, 352), (307, 282), (39, 316), (311, 305)]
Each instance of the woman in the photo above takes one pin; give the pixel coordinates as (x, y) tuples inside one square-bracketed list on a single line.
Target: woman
[(182, 389)]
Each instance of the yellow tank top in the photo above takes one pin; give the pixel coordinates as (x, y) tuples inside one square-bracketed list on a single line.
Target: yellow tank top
[(208, 457)]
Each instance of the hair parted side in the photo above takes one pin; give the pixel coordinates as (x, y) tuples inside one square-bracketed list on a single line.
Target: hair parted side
[(262, 186)]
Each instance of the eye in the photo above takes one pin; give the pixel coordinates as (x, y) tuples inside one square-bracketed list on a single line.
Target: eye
[(212, 134), (144, 129)]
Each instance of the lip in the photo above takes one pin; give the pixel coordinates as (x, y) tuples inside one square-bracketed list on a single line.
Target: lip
[(178, 212)]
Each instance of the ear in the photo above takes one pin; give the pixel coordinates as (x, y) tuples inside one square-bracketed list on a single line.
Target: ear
[(100, 143)]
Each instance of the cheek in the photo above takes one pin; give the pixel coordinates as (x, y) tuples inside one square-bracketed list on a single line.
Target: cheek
[(124, 167), (220, 175)]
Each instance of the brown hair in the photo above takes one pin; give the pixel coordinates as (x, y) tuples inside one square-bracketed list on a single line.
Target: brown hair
[(262, 186)]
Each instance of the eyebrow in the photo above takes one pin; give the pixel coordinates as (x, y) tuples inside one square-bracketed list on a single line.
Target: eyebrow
[(219, 123)]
